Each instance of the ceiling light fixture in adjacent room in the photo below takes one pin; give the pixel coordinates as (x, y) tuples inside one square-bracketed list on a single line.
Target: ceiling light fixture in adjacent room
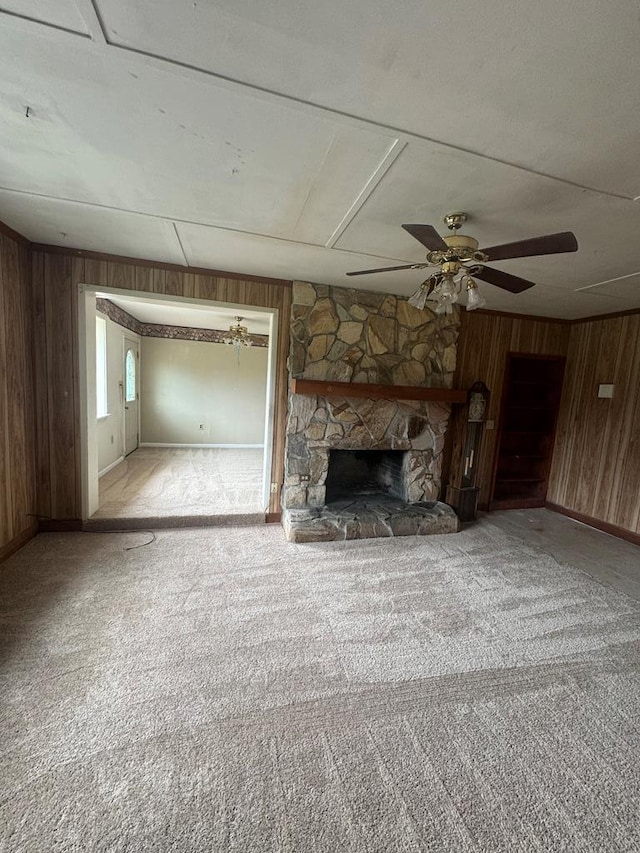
[(238, 337)]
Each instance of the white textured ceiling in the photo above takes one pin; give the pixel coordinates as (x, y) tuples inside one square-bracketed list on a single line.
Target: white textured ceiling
[(166, 312), (292, 140)]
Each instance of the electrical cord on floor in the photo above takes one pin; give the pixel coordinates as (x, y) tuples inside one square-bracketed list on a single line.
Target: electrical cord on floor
[(142, 544), (111, 530)]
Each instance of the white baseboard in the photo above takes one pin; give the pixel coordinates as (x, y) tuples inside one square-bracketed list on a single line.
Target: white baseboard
[(224, 446), (109, 467)]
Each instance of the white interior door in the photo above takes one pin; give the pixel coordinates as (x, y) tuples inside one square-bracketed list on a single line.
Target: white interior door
[(131, 394)]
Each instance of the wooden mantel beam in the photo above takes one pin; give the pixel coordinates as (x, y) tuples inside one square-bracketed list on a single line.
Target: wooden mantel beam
[(376, 392)]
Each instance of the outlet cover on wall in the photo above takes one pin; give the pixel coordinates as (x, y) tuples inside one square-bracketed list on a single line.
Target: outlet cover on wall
[(605, 391)]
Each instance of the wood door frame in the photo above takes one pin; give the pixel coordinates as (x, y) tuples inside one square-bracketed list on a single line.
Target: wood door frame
[(561, 359)]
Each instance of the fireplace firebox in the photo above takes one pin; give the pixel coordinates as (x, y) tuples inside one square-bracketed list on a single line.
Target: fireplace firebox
[(354, 473)]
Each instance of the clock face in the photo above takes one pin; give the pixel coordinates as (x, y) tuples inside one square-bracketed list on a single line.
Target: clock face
[(477, 405)]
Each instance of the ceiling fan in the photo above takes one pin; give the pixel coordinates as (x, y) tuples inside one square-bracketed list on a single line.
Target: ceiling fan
[(459, 259)]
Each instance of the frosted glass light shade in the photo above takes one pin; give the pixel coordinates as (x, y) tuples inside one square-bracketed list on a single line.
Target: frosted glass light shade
[(419, 298), (448, 290), (474, 297)]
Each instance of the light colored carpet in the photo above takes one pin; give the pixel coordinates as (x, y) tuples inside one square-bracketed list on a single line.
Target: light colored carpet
[(183, 481), (223, 690)]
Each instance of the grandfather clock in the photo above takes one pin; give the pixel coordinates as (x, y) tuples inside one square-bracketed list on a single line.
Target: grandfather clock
[(462, 494)]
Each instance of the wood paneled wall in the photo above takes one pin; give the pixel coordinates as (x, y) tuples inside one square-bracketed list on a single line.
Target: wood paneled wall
[(483, 345), (596, 464), (17, 438), (55, 280)]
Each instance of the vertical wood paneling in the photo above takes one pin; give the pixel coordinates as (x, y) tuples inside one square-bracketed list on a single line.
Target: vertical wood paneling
[(596, 466), (122, 275), (483, 345), (61, 372), (41, 398), (174, 285), (95, 272), (77, 276), (55, 283), (17, 469), (17, 389), (159, 279), (143, 279), (6, 479)]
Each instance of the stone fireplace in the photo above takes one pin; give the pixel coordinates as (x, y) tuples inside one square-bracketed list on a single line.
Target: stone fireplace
[(354, 339)]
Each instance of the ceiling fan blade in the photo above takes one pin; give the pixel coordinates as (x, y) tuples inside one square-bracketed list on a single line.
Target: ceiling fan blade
[(552, 244), (512, 283), (390, 269), (428, 236)]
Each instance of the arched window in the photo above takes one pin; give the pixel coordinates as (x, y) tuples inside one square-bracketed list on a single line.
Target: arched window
[(130, 377)]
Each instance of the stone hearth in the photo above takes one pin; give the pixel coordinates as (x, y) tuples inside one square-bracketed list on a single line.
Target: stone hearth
[(367, 518)]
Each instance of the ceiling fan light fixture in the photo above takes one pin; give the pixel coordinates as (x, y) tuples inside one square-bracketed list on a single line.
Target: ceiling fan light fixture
[(448, 292), (474, 298), (419, 298)]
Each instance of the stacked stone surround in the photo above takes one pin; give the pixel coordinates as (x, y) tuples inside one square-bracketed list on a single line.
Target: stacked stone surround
[(344, 335), (317, 424)]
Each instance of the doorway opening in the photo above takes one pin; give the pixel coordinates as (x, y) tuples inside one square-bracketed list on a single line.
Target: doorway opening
[(176, 424)]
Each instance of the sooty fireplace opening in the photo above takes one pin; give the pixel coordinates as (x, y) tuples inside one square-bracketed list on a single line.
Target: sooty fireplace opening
[(364, 472)]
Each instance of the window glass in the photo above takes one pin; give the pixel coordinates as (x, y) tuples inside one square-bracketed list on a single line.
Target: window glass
[(101, 367), (130, 382)]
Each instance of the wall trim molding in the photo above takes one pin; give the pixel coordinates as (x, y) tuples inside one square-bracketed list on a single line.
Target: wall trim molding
[(604, 526), (110, 467), (614, 315), (197, 446), (60, 525), (19, 541), (513, 315), (165, 331)]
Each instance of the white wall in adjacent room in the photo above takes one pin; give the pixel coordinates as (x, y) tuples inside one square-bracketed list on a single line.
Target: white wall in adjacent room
[(195, 392), (110, 436)]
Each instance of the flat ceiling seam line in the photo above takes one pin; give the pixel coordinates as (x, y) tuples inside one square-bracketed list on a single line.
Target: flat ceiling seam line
[(393, 152), (184, 254), (164, 62), (165, 218), (369, 122), (92, 17), (607, 281), (314, 181), (45, 24)]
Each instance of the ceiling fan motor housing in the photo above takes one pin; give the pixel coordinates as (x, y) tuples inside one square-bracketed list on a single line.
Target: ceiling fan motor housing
[(461, 248)]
